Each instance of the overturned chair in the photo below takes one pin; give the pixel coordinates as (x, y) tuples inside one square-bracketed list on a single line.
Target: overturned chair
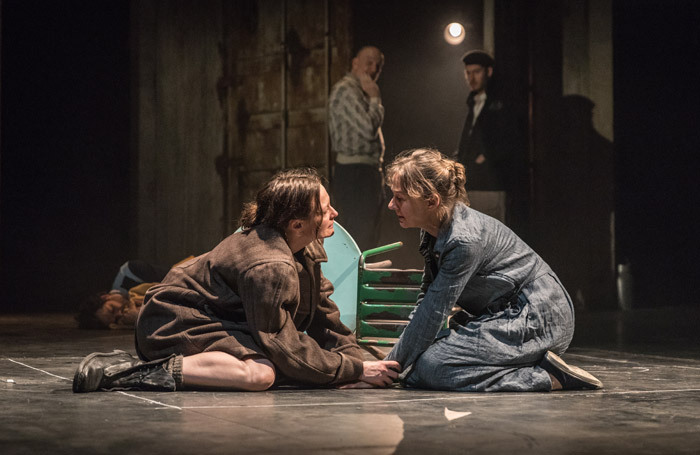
[(374, 299), (385, 299)]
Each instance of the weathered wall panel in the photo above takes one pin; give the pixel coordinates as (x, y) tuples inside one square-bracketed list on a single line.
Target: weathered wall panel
[(341, 39), (279, 66), (227, 94), (306, 139), (306, 55), (143, 30), (180, 128)]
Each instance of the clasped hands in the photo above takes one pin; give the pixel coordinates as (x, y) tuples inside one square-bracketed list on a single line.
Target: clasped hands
[(375, 374)]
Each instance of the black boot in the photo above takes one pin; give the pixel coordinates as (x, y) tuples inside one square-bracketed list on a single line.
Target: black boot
[(119, 370)]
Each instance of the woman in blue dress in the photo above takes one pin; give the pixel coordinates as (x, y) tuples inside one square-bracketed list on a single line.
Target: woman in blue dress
[(515, 318)]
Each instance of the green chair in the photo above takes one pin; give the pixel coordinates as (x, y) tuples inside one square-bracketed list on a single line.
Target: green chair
[(385, 299)]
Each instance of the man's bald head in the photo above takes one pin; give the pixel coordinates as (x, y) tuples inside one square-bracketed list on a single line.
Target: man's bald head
[(368, 60)]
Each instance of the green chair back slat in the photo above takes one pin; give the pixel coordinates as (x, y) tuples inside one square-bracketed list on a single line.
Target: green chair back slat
[(385, 299), (373, 342), (384, 329), (403, 295), (372, 311), (391, 277)]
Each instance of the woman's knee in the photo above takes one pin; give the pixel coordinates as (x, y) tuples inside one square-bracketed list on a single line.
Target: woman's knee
[(261, 374), (423, 373)]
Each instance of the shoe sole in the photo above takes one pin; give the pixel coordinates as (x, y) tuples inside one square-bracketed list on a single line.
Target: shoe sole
[(84, 382), (576, 372)]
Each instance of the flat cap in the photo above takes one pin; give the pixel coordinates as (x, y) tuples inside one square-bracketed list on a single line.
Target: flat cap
[(478, 57)]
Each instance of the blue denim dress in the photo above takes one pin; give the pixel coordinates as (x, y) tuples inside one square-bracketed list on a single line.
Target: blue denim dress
[(518, 305)]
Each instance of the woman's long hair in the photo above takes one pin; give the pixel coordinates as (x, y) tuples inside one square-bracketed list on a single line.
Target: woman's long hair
[(423, 172), (292, 194)]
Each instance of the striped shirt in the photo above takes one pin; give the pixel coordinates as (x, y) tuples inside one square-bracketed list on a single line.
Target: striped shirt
[(354, 121)]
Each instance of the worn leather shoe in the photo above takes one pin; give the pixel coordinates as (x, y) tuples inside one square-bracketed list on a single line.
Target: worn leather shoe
[(94, 367), (570, 377)]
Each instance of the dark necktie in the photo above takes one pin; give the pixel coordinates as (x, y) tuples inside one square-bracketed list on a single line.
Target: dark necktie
[(463, 150), (469, 124)]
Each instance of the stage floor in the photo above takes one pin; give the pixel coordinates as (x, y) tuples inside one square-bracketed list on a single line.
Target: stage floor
[(648, 360)]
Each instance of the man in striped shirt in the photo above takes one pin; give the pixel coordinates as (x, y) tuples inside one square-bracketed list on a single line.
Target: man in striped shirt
[(355, 116)]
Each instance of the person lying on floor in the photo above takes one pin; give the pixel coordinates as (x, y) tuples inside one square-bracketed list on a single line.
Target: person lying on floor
[(119, 307), (111, 310), (515, 314), (253, 312)]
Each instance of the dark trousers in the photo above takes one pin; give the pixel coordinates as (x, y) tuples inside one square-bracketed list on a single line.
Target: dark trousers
[(358, 196)]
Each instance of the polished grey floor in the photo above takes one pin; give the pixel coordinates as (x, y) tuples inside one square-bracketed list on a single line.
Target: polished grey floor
[(648, 360)]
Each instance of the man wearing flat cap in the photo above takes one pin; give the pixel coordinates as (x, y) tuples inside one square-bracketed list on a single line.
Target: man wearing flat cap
[(487, 147)]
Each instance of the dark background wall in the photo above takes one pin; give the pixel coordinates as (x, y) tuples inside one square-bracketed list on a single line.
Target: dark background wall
[(657, 141), (64, 197)]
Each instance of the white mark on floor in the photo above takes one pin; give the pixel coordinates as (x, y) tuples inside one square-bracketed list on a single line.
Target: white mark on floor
[(682, 367), (38, 369), (452, 415), (151, 401), (641, 369)]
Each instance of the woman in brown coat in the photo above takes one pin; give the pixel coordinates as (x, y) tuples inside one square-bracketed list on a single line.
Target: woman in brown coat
[(253, 311)]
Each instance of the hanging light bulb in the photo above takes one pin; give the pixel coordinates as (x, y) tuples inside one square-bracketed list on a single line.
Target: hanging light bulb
[(454, 33)]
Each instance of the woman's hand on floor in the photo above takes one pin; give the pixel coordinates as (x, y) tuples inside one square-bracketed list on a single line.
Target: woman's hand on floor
[(380, 373)]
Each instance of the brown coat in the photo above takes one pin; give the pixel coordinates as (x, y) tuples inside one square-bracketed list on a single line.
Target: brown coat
[(251, 296)]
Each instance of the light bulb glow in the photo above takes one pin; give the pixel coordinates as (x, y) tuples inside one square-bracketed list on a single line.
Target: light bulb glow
[(454, 33)]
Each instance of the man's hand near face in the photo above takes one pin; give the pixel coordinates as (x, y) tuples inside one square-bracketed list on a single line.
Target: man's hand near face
[(369, 86)]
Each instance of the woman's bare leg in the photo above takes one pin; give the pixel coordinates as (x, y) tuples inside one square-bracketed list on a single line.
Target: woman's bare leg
[(219, 370)]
